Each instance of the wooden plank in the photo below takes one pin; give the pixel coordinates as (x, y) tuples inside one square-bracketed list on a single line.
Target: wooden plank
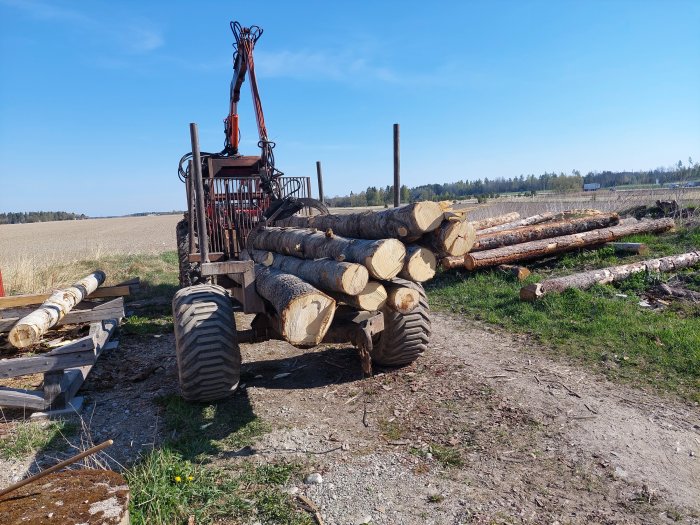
[(213, 257), (115, 311), (226, 267), (18, 398), (30, 299), (79, 353), (101, 332)]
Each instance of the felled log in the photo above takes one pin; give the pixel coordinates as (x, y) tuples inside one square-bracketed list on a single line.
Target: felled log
[(412, 220), (453, 237), (519, 272), (29, 329), (585, 280), (304, 313), (371, 298), (629, 248), (540, 218), (383, 258), (543, 231), (681, 293), (452, 261), (401, 298), (420, 264), (555, 245), (495, 221), (325, 274)]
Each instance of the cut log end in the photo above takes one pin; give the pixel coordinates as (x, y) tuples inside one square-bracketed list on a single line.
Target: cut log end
[(452, 261), (402, 299), (420, 264), (371, 298), (387, 261), (428, 215), (305, 320), (531, 292), (355, 279)]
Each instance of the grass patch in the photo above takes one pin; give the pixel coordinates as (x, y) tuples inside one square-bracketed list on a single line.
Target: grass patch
[(391, 430), (26, 437), (597, 326), (148, 324), (174, 482)]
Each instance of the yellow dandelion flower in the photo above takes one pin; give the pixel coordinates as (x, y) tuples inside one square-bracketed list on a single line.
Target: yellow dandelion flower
[(190, 478), (178, 479)]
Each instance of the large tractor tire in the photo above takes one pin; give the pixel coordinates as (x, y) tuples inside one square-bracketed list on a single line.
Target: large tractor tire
[(405, 336), (206, 343), (188, 271)]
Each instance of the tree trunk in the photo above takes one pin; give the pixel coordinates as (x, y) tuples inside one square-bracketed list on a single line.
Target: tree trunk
[(495, 221), (371, 298), (537, 249), (585, 280), (519, 272), (538, 219), (29, 329), (629, 248), (453, 237), (543, 231), (419, 265), (412, 220), (383, 258), (304, 314), (401, 299), (325, 274), (453, 261)]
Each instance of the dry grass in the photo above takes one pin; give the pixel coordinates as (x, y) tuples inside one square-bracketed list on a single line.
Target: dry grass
[(40, 257), (603, 200)]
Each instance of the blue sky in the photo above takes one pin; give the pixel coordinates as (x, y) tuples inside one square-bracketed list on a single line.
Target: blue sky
[(96, 97)]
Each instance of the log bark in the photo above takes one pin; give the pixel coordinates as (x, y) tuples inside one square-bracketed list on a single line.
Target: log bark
[(537, 249), (629, 248), (585, 280), (519, 272), (383, 258), (452, 261), (371, 298), (400, 298), (325, 274), (29, 330), (453, 237), (495, 221), (540, 218), (420, 264), (543, 231), (304, 314), (412, 220)]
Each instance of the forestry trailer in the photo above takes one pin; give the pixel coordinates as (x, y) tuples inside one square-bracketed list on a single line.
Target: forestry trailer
[(231, 198)]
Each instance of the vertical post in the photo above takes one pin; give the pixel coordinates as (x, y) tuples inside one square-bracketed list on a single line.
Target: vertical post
[(397, 168), (199, 192), (320, 180), (190, 209)]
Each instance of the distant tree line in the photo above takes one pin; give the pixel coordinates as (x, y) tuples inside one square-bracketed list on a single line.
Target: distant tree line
[(523, 184), (22, 217)]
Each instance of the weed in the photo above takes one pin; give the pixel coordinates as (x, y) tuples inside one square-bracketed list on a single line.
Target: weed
[(446, 456), (436, 498), (392, 430), (27, 436)]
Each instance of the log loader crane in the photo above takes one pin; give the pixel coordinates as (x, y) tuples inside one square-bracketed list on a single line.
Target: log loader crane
[(230, 197)]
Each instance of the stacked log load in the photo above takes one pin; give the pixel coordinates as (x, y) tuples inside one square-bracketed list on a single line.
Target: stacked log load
[(305, 266)]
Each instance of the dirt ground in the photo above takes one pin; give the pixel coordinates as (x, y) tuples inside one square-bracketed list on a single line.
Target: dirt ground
[(485, 428)]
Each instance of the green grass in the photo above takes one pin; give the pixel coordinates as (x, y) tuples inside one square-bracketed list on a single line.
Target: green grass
[(27, 436), (598, 326), (177, 480)]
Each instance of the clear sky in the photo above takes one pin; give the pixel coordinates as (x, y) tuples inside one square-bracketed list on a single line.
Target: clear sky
[(96, 97)]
